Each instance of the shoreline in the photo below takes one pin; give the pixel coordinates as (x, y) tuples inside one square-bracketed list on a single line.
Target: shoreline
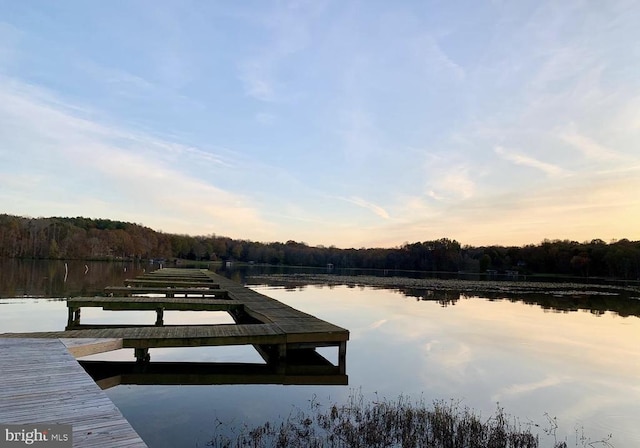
[(463, 286)]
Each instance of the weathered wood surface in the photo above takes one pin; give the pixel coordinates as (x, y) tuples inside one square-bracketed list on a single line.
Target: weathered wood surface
[(85, 346), (174, 336), (43, 383), (177, 273), (297, 325), (152, 303), (172, 283), (159, 275), (167, 291)]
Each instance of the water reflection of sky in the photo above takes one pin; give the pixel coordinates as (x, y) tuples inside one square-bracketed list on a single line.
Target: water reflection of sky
[(579, 367)]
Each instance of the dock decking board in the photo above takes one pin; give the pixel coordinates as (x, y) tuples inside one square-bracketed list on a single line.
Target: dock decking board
[(43, 383), (172, 283), (152, 303), (167, 291), (174, 336)]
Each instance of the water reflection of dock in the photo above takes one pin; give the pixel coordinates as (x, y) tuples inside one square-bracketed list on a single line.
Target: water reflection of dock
[(112, 373), (286, 338)]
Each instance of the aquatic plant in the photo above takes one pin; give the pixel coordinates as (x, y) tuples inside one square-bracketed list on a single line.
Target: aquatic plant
[(386, 424)]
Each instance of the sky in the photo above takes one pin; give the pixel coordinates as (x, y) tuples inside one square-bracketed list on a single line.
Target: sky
[(347, 123)]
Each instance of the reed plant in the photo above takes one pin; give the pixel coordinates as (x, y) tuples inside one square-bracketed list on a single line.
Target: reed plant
[(382, 423)]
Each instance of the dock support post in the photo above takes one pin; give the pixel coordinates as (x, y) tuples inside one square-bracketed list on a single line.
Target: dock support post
[(73, 317), (342, 357), (282, 351), (159, 317), (142, 354)]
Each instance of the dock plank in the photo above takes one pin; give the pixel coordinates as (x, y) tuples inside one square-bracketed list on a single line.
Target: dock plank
[(167, 291), (174, 336), (152, 303), (172, 283), (43, 383)]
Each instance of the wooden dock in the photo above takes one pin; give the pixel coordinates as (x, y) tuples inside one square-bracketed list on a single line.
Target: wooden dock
[(43, 383), (272, 327)]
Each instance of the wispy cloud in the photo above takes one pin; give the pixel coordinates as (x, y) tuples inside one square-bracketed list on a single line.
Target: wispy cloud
[(433, 57), (524, 160), (459, 182), (118, 78), (381, 212), (378, 324), (258, 79), (449, 178), (589, 147)]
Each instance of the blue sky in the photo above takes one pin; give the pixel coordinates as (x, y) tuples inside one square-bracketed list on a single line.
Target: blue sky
[(347, 123)]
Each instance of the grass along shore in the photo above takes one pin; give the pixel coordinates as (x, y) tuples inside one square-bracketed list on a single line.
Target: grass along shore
[(393, 424)]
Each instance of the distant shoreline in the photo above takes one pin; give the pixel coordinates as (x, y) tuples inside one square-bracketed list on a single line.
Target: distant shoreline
[(470, 286)]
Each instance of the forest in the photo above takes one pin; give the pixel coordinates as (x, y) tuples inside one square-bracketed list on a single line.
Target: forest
[(105, 239)]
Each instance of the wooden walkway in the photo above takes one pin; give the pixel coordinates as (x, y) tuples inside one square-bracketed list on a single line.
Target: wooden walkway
[(41, 382)]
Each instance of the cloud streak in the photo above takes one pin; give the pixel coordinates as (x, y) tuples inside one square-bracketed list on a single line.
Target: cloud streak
[(524, 160), (590, 148), (374, 208)]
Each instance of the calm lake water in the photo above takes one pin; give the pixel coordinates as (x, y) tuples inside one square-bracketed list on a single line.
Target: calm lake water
[(581, 367)]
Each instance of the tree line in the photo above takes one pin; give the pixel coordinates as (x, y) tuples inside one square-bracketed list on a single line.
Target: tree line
[(105, 239)]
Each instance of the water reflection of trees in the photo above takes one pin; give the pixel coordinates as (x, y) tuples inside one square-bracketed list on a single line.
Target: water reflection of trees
[(20, 278), (594, 300), (596, 304), (47, 278)]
